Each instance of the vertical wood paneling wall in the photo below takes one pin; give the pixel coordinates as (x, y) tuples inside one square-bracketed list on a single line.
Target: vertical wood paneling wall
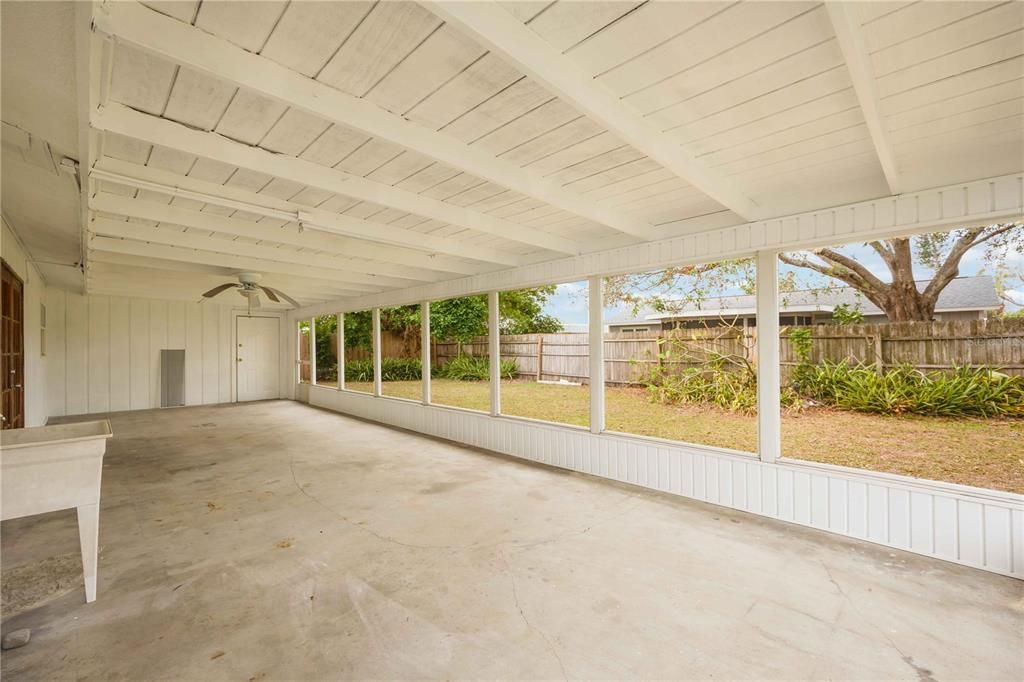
[(978, 528), (104, 352)]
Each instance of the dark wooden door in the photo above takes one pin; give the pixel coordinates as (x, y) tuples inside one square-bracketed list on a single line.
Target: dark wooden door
[(12, 355)]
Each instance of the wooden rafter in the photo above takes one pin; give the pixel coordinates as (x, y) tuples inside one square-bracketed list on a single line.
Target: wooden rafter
[(117, 118), (855, 52), (181, 43), (499, 31)]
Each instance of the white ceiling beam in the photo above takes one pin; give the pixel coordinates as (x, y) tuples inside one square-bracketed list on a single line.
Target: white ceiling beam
[(199, 239), (347, 255), (117, 118), (93, 66), (858, 62), (121, 263), (184, 44), (440, 250), (135, 247), (496, 29)]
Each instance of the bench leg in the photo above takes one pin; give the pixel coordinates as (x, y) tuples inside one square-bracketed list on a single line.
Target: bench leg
[(89, 537)]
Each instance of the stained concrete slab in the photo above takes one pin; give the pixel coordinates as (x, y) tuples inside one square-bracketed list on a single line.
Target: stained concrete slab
[(277, 541)]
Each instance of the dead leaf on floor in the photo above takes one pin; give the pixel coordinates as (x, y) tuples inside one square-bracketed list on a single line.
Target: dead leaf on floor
[(212, 506), (216, 655), (284, 544)]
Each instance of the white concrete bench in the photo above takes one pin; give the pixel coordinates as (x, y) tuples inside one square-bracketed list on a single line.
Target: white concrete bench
[(49, 468)]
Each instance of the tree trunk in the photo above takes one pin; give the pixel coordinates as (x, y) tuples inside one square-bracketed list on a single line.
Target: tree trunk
[(904, 302)]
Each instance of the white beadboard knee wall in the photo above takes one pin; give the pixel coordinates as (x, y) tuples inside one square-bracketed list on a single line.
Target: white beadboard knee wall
[(973, 527)]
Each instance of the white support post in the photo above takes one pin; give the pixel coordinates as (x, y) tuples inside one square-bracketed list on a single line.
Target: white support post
[(298, 352), (312, 351), (494, 351), (769, 415), (425, 351), (341, 351), (377, 388), (595, 331)]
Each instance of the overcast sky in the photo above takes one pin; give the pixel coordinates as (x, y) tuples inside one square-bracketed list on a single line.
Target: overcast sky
[(569, 303)]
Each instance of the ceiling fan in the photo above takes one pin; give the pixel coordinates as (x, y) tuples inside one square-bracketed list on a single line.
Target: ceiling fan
[(248, 285)]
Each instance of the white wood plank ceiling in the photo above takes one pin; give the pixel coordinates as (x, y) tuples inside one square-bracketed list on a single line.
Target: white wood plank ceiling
[(345, 148)]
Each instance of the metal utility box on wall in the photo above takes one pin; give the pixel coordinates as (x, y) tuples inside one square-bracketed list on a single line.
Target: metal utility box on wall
[(172, 377)]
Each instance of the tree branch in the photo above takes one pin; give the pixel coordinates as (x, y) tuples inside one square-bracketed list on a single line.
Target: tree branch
[(874, 291), (950, 267)]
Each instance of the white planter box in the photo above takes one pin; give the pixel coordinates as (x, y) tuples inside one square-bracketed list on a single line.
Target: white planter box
[(49, 468)]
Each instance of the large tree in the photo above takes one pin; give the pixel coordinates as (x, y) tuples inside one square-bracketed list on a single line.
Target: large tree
[(898, 294), (941, 252)]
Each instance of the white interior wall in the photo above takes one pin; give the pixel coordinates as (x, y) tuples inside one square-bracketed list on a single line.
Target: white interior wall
[(36, 410), (106, 352)]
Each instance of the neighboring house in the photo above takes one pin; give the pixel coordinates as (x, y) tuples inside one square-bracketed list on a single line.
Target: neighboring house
[(965, 298)]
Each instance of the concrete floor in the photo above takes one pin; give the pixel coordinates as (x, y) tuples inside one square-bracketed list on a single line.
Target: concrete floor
[(277, 541)]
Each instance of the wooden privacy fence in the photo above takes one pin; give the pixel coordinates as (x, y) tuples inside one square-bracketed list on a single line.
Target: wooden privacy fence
[(925, 345)]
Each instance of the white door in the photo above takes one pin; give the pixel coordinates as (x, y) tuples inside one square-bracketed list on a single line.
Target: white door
[(257, 357)]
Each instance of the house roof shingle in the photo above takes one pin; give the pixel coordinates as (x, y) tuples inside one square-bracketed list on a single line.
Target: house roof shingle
[(963, 293)]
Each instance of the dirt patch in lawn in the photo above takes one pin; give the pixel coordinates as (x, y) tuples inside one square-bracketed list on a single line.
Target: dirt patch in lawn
[(987, 453)]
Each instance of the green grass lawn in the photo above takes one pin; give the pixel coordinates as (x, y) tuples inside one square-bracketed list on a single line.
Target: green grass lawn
[(980, 452)]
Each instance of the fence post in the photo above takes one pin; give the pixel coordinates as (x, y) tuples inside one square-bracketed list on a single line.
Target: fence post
[(769, 380), (596, 341), (876, 342), (540, 355), (425, 351)]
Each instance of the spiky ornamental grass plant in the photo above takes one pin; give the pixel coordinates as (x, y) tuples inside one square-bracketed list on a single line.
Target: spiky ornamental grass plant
[(961, 392)]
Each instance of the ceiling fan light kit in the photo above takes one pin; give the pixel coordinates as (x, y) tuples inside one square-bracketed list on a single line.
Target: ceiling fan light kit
[(248, 285)]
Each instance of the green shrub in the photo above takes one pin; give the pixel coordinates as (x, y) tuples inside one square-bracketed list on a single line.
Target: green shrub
[(962, 392), (359, 370), (720, 380), (391, 369), (473, 368)]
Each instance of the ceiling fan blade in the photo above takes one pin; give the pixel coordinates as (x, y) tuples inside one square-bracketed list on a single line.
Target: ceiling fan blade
[(220, 289), (292, 301), (270, 293)]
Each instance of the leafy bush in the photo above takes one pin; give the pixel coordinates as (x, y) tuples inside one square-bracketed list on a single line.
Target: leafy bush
[(963, 392), (401, 369), (359, 370), (473, 368), (391, 369), (722, 380)]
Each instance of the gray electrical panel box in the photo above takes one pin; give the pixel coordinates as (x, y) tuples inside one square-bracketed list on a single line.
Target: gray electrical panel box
[(172, 378)]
